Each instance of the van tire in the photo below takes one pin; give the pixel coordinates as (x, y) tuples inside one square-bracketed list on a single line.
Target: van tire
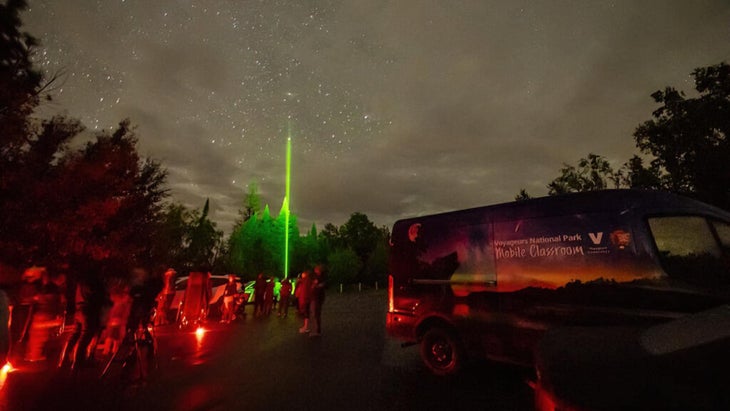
[(442, 351)]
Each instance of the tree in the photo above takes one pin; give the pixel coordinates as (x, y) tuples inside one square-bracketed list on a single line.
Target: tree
[(281, 230), (376, 268), (98, 203), (633, 174), (251, 205), (522, 195), (307, 252), (20, 82), (361, 236), (343, 266), (203, 241), (171, 240), (592, 173), (689, 136), (258, 245), (331, 238), (93, 206), (104, 201)]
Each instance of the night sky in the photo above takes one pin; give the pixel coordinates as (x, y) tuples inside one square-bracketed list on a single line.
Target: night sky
[(395, 108)]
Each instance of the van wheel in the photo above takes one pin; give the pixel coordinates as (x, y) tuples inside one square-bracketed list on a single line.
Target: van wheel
[(441, 351)]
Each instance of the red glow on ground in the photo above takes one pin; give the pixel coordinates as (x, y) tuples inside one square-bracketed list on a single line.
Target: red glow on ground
[(7, 368)]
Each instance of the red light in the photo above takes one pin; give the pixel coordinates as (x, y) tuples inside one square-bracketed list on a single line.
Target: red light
[(7, 368), (390, 293)]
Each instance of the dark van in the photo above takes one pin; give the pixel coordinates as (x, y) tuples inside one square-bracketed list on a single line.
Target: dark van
[(489, 281)]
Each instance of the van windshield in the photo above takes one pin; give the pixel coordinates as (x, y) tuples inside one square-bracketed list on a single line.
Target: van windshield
[(689, 250)]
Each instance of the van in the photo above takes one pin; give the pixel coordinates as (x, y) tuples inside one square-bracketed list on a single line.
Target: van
[(487, 282)]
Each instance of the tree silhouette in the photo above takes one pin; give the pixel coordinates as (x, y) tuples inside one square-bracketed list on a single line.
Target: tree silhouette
[(689, 136), (687, 139), (60, 205), (203, 241), (592, 173)]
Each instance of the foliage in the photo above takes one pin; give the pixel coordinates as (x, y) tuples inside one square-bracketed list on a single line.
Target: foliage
[(522, 195), (20, 82), (343, 266), (634, 174), (592, 173), (689, 136), (98, 203), (307, 251), (687, 139), (330, 238), (202, 240), (360, 234), (251, 205), (363, 238), (86, 207), (174, 224), (257, 246), (376, 267)]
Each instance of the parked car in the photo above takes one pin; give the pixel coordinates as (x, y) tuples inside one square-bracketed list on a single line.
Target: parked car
[(679, 365), (218, 285)]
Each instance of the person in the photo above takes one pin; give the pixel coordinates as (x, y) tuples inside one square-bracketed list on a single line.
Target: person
[(259, 289), (23, 309), (4, 327), (302, 293), (318, 284), (142, 292), (45, 317), (166, 296), (117, 323), (284, 294), (62, 284), (229, 294), (89, 300), (269, 296), (198, 292), (138, 347)]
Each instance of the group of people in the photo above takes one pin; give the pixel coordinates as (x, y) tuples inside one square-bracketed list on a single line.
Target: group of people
[(267, 293), (104, 309), (310, 292), (263, 295), (108, 311)]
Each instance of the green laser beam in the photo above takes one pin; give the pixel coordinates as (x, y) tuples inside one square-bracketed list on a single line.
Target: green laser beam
[(286, 201)]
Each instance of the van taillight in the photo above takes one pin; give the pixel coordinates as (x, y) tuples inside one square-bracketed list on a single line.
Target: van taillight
[(390, 293)]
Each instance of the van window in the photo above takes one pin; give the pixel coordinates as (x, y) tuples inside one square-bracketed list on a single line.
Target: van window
[(723, 231), (688, 250), (683, 236)]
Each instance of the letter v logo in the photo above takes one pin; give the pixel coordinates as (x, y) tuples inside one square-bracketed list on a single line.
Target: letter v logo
[(596, 237)]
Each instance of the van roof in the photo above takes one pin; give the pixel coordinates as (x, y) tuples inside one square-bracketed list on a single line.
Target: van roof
[(649, 201)]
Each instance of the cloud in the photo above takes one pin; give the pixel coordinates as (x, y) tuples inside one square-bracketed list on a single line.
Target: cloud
[(396, 108)]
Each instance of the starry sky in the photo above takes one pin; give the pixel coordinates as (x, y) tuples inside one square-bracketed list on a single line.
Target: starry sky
[(395, 108)]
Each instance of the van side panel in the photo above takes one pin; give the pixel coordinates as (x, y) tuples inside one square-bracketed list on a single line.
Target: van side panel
[(502, 275), (550, 252)]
